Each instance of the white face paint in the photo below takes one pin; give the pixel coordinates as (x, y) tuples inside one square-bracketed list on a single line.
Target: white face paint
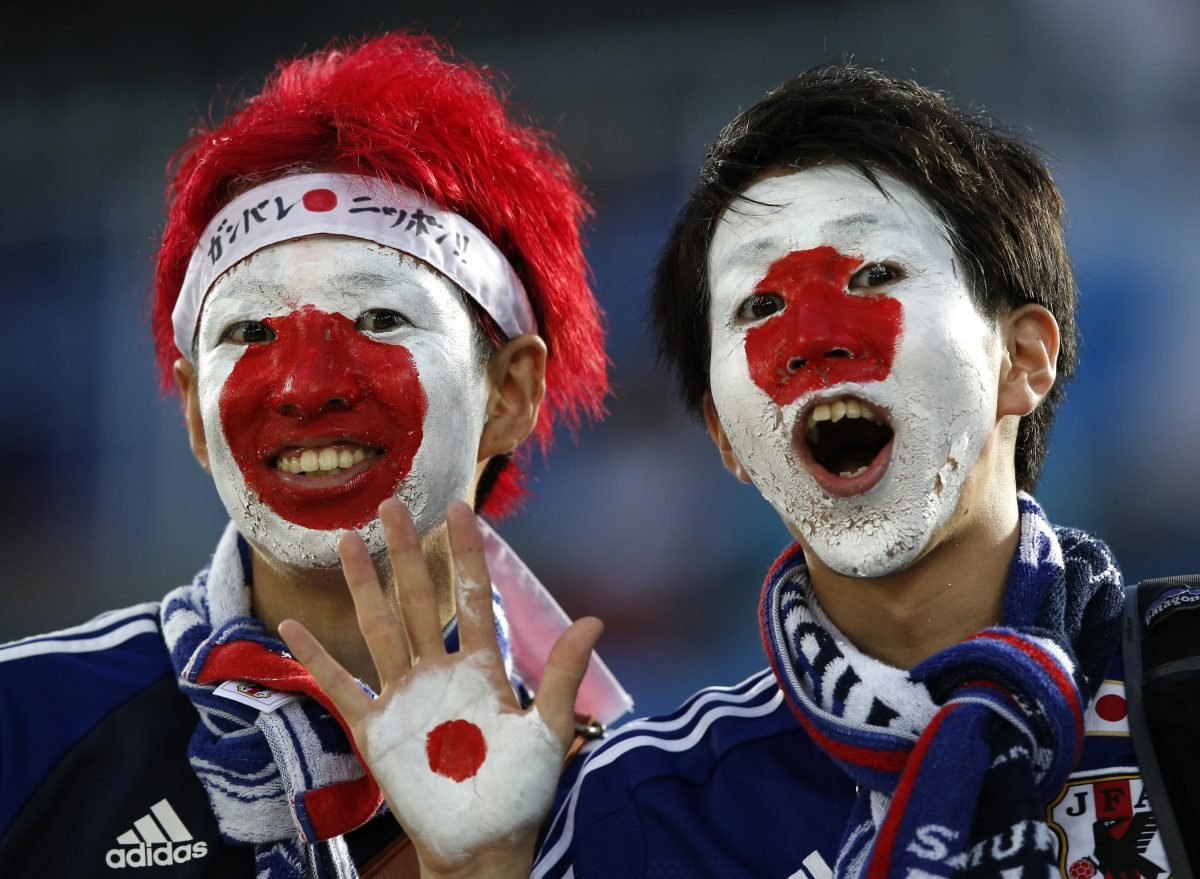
[(837, 313), (460, 773), (334, 373)]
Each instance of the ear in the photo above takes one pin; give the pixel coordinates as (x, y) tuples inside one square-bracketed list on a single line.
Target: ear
[(1028, 367), (516, 386), (717, 431), (185, 377)]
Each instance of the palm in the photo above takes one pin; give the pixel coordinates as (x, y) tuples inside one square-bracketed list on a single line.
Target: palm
[(466, 771)]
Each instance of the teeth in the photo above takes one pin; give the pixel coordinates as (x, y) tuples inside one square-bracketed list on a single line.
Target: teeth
[(322, 460), (839, 409), (847, 474)]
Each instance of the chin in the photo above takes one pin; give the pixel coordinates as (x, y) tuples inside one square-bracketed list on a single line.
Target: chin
[(879, 533), (871, 562)]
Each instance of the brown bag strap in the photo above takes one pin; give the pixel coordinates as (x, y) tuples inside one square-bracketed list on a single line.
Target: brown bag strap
[(397, 860)]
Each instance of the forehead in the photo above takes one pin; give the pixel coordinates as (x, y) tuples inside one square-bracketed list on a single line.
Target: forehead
[(333, 273), (827, 205)]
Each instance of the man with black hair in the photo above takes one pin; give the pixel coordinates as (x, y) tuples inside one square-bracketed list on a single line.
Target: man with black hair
[(868, 299)]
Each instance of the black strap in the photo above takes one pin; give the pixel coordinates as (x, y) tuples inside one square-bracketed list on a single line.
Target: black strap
[(1133, 644)]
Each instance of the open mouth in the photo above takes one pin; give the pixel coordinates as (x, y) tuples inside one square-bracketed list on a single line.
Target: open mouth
[(847, 444), (324, 460)]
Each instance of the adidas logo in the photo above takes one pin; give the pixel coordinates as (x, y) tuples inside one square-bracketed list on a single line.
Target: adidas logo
[(155, 843)]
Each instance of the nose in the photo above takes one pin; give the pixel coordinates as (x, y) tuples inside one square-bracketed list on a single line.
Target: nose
[(316, 368), (823, 341)]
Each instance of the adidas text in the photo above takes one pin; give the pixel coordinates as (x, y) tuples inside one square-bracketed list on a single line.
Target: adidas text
[(154, 855), (157, 839)]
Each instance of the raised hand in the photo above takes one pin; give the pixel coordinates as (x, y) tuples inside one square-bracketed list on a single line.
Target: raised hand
[(466, 771)]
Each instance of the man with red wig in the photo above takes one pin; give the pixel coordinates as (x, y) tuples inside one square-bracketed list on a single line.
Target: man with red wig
[(370, 291)]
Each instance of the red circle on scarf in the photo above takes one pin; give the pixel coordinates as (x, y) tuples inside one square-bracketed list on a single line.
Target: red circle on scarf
[(455, 749), (1111, 708)]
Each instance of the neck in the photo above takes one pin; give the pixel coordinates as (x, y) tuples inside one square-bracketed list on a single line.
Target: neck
[(320, 599), (955, 589)]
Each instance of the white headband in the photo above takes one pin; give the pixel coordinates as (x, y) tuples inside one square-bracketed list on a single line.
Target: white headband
[(358, 207)]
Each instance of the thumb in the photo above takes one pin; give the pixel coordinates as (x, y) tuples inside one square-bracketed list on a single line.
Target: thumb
[(565, 668)]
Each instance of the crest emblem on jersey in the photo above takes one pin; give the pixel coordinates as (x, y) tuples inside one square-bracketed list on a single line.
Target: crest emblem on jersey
[(1106, 829)]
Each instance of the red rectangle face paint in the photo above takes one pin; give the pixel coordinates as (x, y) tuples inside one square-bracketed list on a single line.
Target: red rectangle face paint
[(334, 373), (825, 335), (315, 390)]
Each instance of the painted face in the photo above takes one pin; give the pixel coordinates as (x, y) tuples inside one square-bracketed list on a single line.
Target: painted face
[(853, 375), (334, 373)]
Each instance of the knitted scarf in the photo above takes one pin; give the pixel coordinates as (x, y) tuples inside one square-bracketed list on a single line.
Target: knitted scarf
[(956, 759), (285, 779)]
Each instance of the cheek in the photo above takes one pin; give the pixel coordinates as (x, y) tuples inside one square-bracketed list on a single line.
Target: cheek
[(388, 374), (949, 351)]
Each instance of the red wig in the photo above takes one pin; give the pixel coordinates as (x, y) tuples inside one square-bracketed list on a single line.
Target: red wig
[(398, 108)]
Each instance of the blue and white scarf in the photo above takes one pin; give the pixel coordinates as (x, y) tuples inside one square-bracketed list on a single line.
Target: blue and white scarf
[(956, 759), (286, 781)]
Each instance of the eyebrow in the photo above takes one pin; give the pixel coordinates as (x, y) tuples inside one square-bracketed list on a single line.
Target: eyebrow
[(748, 252), (364, 279), (853, 221), (343, 282)]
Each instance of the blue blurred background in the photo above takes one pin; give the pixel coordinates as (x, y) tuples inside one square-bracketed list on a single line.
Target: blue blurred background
[(637, 523)]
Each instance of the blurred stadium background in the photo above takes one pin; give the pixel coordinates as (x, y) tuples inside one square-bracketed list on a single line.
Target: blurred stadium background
[(637, 523)]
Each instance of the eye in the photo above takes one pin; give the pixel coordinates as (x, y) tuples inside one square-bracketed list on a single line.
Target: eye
[(247, 332), (380, 320), (875, 274), (760, 305)]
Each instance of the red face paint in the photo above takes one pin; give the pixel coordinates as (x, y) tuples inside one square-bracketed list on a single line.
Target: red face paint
[(321, 381), (799, 350), (456, 749)]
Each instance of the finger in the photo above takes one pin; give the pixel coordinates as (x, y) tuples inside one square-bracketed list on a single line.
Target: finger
[(380, 629), (476, 621), (337, 683), (414, 587), (564, 672)]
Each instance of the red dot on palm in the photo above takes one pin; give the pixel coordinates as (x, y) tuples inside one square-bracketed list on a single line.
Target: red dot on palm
[(456, 749)]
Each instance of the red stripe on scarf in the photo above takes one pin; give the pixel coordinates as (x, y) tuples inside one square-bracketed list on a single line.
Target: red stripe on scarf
[(1061, 679), (338, 808), (885, 842), (871, 758)]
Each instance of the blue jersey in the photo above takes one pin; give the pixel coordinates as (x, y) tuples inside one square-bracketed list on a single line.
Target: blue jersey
[(731, 785), (94, 772), (728, 785), (94, 776)]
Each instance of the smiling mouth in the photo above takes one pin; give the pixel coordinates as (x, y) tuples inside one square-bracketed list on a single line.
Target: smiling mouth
[(846, 443), (323, 460)]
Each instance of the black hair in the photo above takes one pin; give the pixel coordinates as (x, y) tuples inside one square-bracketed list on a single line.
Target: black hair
[(1000, 205)]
